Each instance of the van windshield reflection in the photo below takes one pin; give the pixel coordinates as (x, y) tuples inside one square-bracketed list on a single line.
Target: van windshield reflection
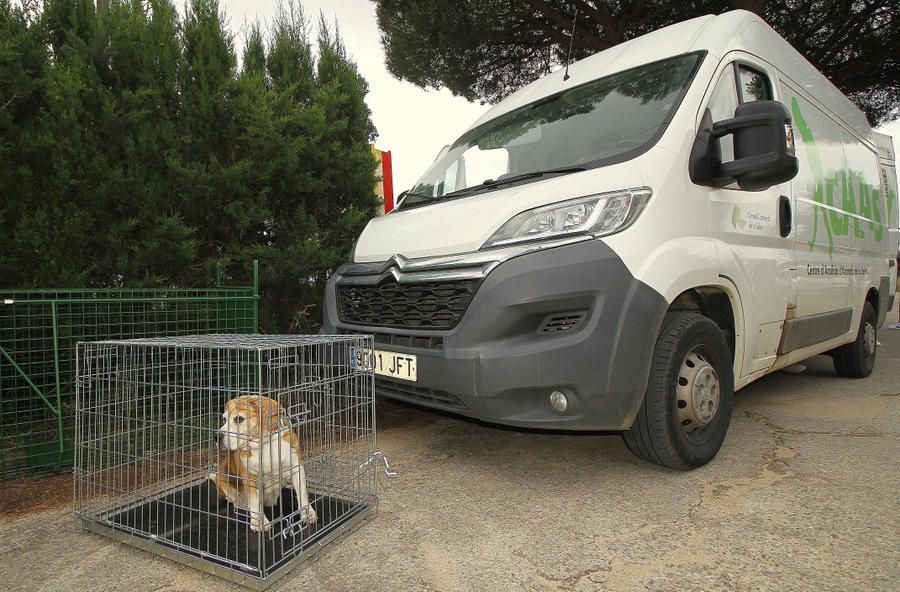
[(600, 122)]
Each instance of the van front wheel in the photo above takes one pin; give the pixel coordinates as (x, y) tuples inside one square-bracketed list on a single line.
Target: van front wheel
[(857, 359), (687, 406)]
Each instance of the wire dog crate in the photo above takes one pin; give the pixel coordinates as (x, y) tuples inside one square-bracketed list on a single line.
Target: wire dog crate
[(241, 455)]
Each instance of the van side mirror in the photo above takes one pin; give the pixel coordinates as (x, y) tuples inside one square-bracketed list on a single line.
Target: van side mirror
[(763, 148)]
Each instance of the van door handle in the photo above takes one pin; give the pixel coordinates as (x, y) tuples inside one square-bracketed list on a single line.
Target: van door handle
[(784, 216)]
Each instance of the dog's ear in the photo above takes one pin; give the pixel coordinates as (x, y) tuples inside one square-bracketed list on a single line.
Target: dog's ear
[(273, 415), (256, 406)]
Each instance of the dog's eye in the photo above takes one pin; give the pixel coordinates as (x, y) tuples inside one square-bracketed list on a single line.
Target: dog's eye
[(238, 419)]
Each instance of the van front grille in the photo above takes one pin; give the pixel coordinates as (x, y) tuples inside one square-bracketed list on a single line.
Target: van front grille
[(431, 305), (435, 342)]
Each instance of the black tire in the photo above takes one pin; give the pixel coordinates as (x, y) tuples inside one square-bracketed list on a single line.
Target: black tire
[(857, 359), (659, 433)]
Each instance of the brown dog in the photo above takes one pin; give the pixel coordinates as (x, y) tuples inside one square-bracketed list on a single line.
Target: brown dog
[(263, 456)]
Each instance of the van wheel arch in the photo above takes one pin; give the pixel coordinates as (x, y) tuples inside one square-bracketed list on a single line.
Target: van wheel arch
[(715, 304), (872, 298)]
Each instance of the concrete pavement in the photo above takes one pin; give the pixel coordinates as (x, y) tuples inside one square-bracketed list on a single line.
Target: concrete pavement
[(803, 496)]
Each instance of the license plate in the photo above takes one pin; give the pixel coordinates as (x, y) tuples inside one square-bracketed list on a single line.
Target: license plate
[(385, 363)]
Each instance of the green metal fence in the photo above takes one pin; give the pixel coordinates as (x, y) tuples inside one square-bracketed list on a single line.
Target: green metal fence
[(39, 330)]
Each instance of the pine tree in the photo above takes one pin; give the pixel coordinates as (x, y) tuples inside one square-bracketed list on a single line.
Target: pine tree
[(57, 164), (140, 156), (486, 49), (254, 57), (290, 60), (140, 62), (342, 94), (23, 66)]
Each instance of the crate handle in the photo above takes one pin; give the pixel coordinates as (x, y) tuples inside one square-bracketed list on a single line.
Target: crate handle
[(387, 466)]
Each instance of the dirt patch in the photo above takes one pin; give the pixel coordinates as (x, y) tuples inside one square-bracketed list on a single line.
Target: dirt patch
[(25, 495)]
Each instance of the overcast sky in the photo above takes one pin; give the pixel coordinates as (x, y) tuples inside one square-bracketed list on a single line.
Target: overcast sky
[(412, 123)]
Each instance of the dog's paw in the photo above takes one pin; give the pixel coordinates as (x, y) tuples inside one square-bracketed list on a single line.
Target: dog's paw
[(212, 477), (308, 515), (259, 523)]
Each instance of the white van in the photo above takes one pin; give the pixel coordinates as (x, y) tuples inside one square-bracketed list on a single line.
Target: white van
[(624, 248)]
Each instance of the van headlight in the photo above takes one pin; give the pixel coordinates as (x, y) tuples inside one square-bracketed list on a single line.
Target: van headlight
[(598, 215)]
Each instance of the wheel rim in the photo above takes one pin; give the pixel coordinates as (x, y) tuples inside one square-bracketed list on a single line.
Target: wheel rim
[(697, 392), (870, 339)]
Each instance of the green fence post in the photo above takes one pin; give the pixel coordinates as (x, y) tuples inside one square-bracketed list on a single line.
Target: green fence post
[(256, 295), (59, 417), (218, 274)]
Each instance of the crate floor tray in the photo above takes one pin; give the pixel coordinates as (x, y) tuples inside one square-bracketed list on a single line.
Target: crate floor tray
[(194, 526)]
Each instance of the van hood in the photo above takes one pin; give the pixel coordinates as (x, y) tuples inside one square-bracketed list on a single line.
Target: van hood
[(462, 225)]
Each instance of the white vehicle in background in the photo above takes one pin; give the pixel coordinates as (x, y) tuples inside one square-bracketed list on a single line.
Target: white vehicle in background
[(623, 249)]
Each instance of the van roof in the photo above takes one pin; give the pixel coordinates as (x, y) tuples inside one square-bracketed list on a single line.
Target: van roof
[(717, 35)]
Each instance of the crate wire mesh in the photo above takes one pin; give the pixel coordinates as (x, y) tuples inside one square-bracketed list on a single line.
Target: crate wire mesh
[(38, 333), (150, 433)]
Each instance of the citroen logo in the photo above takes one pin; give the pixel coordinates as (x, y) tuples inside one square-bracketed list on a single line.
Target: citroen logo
[(398, 261)]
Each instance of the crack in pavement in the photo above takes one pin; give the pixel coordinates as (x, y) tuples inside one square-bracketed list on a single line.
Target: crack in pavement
[(722, 495), (716, 499), (781, 430)]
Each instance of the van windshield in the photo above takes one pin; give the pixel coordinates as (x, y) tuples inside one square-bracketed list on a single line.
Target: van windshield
[(608, 120)]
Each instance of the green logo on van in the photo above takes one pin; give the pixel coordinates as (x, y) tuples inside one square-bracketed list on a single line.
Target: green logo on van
[(849, 187), (737, 220)]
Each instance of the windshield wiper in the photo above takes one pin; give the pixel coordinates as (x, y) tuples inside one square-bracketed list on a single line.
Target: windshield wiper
[(423, 196), (533, 174), (514, 178)]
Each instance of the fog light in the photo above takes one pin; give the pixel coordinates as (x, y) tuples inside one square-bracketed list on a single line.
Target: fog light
[(558, 402)]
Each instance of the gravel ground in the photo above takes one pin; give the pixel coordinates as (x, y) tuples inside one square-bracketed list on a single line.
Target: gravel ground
[(803, 496)]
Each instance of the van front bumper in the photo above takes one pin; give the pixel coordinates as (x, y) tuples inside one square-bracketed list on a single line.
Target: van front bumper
[(500, 362)]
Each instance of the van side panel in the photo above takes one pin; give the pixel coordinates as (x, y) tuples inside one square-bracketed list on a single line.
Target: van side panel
[(887, 158), (823, 244), (868, 224)]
